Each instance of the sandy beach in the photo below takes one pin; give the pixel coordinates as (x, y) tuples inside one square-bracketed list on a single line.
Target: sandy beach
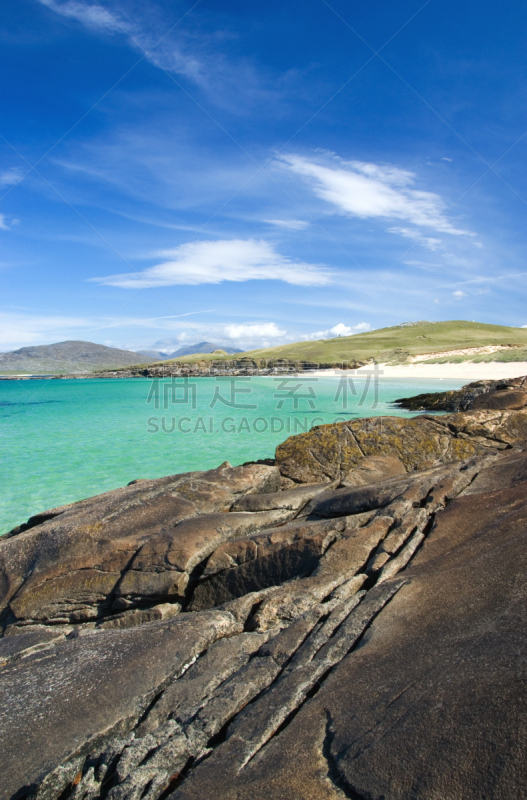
[(467, 371)]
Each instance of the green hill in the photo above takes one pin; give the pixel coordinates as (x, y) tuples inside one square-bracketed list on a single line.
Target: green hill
[(396, 345)]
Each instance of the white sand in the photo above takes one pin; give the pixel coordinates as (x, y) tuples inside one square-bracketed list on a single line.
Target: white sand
[(467, 371)]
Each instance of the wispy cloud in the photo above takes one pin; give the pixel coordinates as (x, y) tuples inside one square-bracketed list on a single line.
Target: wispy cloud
[(171, 47), (11, 177), (92, 15), (225, 260), (367, 190), (289, 224), (140, 33), (426, 265), (459, 294), (3, 223), (411, 233)]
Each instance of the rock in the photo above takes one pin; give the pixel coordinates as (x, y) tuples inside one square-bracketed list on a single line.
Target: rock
[(140, 616), (288, 499), (372, 469), (330, 452), (510, 394), (502, 399), (61, 703), (249, 565), (366, 641), (27, 642), (163, 565), (69, 567), (432, 703), (182, 699)]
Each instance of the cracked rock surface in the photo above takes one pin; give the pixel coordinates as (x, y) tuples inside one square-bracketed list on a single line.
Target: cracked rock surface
[(361, 634)]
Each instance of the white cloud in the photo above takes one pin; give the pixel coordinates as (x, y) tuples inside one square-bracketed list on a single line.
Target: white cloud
[(446, 158), (341, 330), (156, 47), (10, 177), (367, 190), (254, 336), (266, 329), (289, 224), (410, 233), (3, 224), (459, 294), (246, 336), (224, 260), (93, 16)]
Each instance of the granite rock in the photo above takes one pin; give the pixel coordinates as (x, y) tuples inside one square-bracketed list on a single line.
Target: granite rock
[(336, 452), (361, 633), (495, 395)]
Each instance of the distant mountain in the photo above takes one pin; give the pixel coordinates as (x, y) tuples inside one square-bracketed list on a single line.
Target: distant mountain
[(158, 355), (64, 357), (202, 347)]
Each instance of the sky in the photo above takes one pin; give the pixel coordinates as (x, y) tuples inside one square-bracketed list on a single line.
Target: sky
[(253, 174)]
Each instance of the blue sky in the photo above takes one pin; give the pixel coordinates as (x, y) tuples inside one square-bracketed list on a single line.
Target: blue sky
[(257, 173)]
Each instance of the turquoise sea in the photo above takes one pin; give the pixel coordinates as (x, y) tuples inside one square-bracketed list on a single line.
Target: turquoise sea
[(64, 440)]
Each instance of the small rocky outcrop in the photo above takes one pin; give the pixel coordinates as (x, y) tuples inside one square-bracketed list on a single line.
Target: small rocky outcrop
[(344, 450), (359, 633), (498, 395)]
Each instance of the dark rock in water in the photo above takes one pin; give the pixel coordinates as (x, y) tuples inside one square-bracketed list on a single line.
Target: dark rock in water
[(361, 634), (496, 395)]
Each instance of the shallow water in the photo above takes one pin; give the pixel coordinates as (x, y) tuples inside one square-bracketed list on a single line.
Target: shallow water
[(64, 440)]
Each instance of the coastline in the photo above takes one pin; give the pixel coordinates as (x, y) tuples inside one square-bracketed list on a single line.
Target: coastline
[(467, 371)]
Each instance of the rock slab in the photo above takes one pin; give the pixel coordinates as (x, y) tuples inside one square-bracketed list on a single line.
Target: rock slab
[(360, 634)]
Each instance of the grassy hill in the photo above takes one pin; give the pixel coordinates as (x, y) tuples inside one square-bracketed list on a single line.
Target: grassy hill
[(397, 345), (66, 357)]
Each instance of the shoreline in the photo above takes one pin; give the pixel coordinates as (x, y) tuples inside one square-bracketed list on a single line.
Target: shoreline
[(466, 371)]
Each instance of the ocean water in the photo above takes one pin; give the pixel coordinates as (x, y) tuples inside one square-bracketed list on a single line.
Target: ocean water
[(64, 440)]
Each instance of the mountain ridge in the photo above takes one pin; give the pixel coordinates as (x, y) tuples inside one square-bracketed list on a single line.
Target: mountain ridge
[(71, 355), (203, 347)]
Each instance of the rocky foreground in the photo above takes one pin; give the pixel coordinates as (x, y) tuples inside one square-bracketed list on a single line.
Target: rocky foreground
[(349, 621), (495, 395)]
